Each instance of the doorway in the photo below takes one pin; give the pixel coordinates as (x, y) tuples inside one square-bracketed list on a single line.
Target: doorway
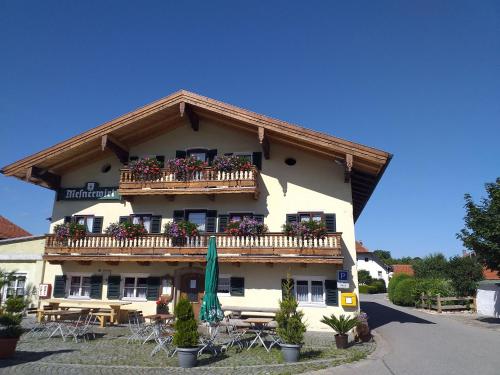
[(193, 288)]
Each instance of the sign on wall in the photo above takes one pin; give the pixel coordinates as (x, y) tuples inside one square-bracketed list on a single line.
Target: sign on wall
[(342, 279), (44, 290), (91, 191)]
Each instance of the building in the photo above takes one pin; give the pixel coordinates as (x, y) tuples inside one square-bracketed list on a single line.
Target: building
[(402, 268), (21, 253), (368, 261), (297, 174), (488, 294)]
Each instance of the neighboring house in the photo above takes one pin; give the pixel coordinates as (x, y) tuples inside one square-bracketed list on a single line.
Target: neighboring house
[(297, 174), (10, 230), (366, 260), (23, 256), (402, 268), (488, 295)]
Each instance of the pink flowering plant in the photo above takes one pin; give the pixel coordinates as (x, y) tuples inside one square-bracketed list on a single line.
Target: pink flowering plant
[(67, 231), (246, 227), (181, 229), (306, 229), (231, 163), (145, 169), (124, 231), (184, 168)]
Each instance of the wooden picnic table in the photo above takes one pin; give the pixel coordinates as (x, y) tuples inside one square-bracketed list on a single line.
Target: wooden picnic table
[(56, 313), (238, 310)]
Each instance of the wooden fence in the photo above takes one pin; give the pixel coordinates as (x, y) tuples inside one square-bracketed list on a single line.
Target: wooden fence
[(441, 304)]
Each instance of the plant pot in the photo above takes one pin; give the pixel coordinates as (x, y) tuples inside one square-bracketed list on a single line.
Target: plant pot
[(290, 352), (188, 357), (341, 341), (8, 347)]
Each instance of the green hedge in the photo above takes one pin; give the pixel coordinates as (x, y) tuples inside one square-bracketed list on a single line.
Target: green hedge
[(376, 286), (393, 282), (404, 293)]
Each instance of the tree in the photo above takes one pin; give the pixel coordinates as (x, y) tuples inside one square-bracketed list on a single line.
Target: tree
[(431, 266), (465, 273), (364, 277), (383, 255), (482, 227)]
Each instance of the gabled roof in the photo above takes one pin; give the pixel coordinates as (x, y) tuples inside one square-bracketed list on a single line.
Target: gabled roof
[(10, 230), (360, 249), (403, 268), (365, 164)]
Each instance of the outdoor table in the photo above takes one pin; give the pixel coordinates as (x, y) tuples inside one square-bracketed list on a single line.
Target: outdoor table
[(258, 326), (58, 324), (160, 322), (114, 305), (238, 310)]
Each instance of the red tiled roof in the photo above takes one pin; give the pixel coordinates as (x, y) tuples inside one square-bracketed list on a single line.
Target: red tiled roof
[(10, 230), (490, 274), (403, 268), (360, 248)]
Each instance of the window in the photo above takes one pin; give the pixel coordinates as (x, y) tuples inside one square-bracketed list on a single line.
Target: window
[(87, 221), (245, 155), (199, 218), (224, 286), (198, 154), (310, 291), (306, 216), (79, 286), (366, 259), (135, 287), (142, 219), (16, 286), (379, 274), (240, 216)]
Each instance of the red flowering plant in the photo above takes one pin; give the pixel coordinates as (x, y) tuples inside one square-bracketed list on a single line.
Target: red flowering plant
[(246, 227), (306, 229), (184, 168), (124, 231), (71, 231), (231, 163), (181, 229), (145, 169), (161, 306)]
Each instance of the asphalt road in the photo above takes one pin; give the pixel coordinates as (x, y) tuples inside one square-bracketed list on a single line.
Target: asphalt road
[(417, 343)]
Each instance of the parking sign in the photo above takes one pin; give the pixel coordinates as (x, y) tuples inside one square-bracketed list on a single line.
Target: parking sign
[(342, 276)]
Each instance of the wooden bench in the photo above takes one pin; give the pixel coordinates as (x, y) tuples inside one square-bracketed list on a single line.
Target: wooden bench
[(103, 315)]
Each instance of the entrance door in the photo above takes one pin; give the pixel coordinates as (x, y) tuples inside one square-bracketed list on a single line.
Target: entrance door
[(192, 288)]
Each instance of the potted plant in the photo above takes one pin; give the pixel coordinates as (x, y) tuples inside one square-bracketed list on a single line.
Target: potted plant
[(246, 227), (10, 326), (342, 325), (290, 328), (179, 231), (362, 328), (71, 231), (124, 231), (231, 163), (145, 169), (184, 168), (186, 334), (162, 306), (306, 230)]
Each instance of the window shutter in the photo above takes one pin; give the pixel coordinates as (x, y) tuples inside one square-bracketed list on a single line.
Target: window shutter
[(123, 219), (179, 154), (97, 224), (161, 160), (331, 223), (283, 284), (153, 291), (257, 160), (331, 293), (178, 215), (114, 287), (67, 219), (156, 224), (59, 286), (96, 287), (211, 221), (228, 154), (211, 154), (223, 220), (133, 158), (237, 286), (259, 218), (291, 218)]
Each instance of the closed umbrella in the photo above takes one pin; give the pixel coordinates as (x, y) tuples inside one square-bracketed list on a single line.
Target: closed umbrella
[(211, 310)]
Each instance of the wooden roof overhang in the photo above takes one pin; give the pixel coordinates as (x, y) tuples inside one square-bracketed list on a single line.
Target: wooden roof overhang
[(364, 165)]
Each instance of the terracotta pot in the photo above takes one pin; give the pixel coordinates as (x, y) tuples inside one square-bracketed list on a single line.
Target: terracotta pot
[(341, 341), (8, 347)]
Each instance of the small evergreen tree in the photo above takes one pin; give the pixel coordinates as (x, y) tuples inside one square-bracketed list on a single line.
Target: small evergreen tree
[(290, 329), (186, 327), (364, 277)]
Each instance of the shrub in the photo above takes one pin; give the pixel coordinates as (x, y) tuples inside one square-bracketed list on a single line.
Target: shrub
[(393, 282), (10, 320), (306, 229), (144, 169), (405, 293), (364, 277), (431, 266), (342, 325), (186, 328), (15, 305), (246, 227), (122, 231), (291, 328), (465, 274), (378, 286), (365, 289), (72, 231)]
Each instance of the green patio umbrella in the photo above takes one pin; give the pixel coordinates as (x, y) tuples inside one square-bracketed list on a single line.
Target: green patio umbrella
[(211, 310)]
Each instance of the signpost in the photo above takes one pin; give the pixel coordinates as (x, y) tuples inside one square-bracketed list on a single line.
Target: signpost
[(342, 279)]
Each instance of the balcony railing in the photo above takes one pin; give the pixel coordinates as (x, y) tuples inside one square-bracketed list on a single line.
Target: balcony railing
[(207, 181), (156, 244)]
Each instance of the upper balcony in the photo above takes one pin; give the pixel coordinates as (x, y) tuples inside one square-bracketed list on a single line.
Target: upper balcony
[(208, 182), (268, 248)]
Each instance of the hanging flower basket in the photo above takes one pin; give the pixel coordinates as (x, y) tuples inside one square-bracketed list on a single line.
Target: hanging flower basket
[(231, 163), (306, 229), (185, 168), (71, 231), (246, 227), (179, 231), (145, 169), (126, 231)]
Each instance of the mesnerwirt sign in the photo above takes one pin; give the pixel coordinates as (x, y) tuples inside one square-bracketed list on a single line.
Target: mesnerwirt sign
[(91, 191)]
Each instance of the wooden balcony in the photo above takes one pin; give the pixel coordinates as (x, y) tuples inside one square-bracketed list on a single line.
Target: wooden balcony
[(269, 248), (208, 181)]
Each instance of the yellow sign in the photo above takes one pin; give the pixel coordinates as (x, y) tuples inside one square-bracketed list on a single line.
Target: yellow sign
[(349, 299)]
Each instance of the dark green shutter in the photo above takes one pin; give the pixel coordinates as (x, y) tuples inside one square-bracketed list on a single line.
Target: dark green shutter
[(180, 154), (228, 154), (59, 286), (291, 218), (283, 284), (223, 220), (153, 292), (124, 219), (257, 160), (237, 286), (178, 215), (96, 287), (259, 218), (211, 154), (97, 224), (331, 293), (161, 160), (114, 287), (133, 158), (331, 223), (211, 221), (156, 224), (67, 219)]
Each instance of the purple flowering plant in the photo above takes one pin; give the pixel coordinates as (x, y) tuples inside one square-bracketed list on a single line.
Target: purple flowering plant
[(70, 230), (306, 229), (246, 227), (181, 229), (123, 231), (147, 168), (231, 163), (185, 167)]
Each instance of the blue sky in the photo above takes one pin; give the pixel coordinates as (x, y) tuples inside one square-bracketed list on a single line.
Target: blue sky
[(418, 79)]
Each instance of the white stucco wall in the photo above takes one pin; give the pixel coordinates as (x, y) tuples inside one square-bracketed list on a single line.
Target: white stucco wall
[(373, 265), (488, 299)]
